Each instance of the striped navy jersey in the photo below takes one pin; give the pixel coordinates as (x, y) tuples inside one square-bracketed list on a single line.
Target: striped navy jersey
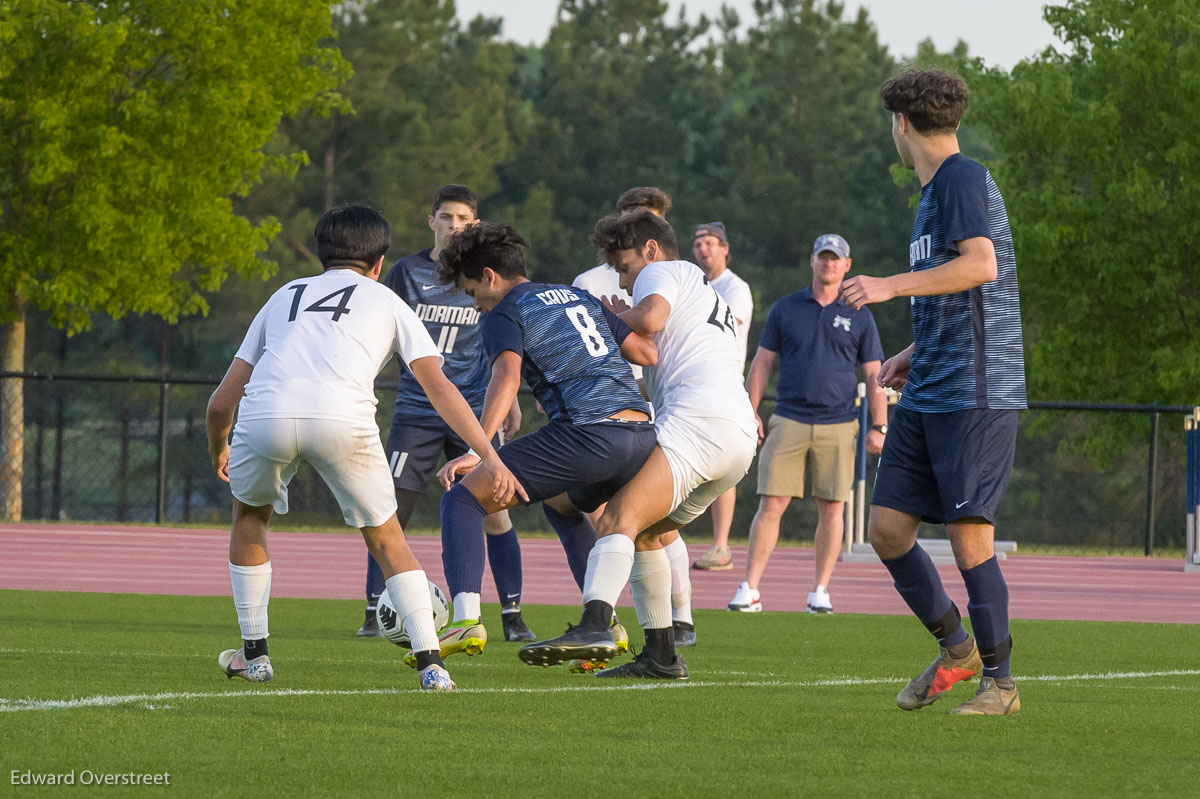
[(570, 348), (968, 351), (453, 323)]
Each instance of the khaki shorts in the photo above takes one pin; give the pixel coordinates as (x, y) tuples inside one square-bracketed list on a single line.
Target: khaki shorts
[(792, 446)]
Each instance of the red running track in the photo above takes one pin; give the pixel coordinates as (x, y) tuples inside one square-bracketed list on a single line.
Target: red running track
[(153, 560)]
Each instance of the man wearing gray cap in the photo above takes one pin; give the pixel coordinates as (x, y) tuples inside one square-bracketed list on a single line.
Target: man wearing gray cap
[(819, 342)]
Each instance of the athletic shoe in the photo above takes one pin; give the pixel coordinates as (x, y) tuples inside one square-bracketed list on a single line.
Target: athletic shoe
[(818, 601), (233, 662), (515, 628), (746, 600), (994, 698), (435, 678), (685, 634), (716, 559), (954, 664), (575, 643), (370, 626), (620, 638), (643, 668), (461, 636)]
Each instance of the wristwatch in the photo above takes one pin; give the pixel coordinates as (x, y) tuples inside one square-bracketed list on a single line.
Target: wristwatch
[(880, 427)]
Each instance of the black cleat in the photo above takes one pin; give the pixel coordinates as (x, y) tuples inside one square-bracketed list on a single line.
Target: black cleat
[(685, 634), (643, 668), (370, 626), (515, 628), (575, 644)]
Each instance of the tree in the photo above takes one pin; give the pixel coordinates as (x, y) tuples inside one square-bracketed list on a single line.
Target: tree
[(129, 126)]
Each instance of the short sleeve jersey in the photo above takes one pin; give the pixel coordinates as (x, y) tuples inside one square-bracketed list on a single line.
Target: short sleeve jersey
[(570, 349), (452, 322), (736, 292), (698, 371), (819, 350), (602, 281), (319, 342), (968, 351)]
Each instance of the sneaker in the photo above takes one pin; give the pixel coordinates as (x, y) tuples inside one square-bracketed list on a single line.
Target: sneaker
[(994, 698), (685, 634), (620, 638), (461, 636), (818, 601), (575, 643), (643, 668), (233, 662), (954, 664), (435, 678), (746, 600), (515, 628), (370, 626), (716, 559)]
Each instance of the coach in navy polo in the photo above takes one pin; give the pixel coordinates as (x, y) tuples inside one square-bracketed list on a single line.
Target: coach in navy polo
[(820, 344)]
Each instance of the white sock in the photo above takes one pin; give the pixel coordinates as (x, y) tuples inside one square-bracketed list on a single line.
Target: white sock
[(681, 581), (409, 592), (609, 564), (251, 593), (466, 606), (650, 586)]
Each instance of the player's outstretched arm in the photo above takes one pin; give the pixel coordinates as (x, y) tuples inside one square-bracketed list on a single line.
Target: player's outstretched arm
[(221, 408), (974, 266), (648, 317), (502, 389)]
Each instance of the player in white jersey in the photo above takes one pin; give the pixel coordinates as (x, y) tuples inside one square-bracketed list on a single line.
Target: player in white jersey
[(706, 440), (303, 386)]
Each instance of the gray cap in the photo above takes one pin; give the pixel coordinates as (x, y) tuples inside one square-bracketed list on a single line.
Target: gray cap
[(832, 242)]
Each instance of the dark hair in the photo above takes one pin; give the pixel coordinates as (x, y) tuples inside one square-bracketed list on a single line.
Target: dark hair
[(650, 197), (352, 235), (631, 231), (933, 101), (455, 193), (486, 245)]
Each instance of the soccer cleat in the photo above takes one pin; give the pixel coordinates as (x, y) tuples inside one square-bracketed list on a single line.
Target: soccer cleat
[(515, 628), (819, 602), (716, 559), (620, 638), (643, 668), (953, 665), (575, 644), (994, 698), (467, 636), (685, 634), (233, 662), (370, 626), (435, 678), (746, 600)]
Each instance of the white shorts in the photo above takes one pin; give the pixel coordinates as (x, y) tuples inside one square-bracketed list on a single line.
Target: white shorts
[(265, 454), (707, 456)]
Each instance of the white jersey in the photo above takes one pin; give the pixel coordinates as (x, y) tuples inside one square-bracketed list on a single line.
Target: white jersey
[(603, 281), (319, 342), (736, 292), (698, 373)]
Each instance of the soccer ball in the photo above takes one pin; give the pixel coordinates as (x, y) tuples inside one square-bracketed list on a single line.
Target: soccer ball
[(391, 624)]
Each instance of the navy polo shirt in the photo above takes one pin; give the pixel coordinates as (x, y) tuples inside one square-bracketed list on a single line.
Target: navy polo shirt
[(819, 352)]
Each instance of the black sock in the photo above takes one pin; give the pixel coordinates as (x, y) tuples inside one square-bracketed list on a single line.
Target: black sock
[(430, 657), (660, 645), (597, 615), (254, 649)]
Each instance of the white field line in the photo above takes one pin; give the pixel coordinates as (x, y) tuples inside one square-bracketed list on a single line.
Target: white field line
[(15, 705)]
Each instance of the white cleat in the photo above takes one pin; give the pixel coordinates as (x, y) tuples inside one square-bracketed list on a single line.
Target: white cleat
[(233, 662), (435, 678)]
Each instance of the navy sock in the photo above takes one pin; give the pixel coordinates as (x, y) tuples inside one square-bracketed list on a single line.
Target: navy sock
[(375, 582), (918, 583), (987, 604), (462, 541), (577, 537), (504, 555)]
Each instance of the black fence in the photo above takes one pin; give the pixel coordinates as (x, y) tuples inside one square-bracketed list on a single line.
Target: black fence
[(133, 449)]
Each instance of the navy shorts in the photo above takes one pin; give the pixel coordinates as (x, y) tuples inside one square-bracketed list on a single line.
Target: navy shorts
[(414, 446), (946, 466), (588, 462)]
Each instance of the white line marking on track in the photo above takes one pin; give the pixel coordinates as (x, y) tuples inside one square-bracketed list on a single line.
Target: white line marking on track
[(16, 705)]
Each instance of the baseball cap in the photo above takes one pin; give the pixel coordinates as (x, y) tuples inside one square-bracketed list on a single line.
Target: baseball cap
[(832, 242), (711, 229)]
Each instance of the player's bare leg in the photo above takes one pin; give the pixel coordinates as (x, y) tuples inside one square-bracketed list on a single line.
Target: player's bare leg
[(718, 557), (827, 543), (250, 578)]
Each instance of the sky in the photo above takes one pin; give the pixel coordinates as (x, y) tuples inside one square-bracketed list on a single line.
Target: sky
[(1002, 32)]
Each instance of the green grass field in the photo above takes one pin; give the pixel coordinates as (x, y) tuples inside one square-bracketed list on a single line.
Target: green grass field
[(779, 704)]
